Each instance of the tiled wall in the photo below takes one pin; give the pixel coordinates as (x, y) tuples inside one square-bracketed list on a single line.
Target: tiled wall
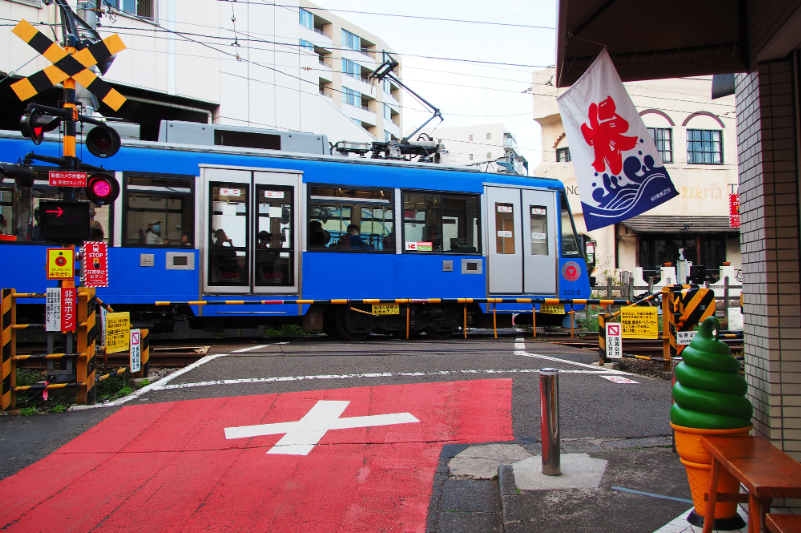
[(767, 130)]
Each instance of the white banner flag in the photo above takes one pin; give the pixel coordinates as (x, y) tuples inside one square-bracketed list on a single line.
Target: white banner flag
[(619, 171)]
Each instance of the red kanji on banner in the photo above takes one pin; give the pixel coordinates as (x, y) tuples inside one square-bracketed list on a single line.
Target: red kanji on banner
[(605, 135), (68, 310), (734, 210), (313, 461)]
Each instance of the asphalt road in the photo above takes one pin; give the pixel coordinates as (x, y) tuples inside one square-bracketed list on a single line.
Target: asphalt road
[(593, 409)]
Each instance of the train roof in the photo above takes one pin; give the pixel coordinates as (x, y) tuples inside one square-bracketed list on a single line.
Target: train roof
[(185, 161)]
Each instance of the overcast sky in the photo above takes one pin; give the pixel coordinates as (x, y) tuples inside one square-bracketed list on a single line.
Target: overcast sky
[(466, 93)]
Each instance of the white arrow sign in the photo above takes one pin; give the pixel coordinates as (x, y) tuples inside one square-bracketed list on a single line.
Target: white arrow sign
[(302, 436)]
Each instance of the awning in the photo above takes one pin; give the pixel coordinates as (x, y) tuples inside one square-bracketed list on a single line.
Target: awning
[(656, 224), (649, 40)]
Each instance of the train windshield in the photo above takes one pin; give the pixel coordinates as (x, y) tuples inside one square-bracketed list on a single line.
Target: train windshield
[(570, 246)]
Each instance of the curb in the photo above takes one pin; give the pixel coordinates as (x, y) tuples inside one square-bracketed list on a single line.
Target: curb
[(511, 512)]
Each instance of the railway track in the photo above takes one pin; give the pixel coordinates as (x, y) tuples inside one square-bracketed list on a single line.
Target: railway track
[(177, 353)]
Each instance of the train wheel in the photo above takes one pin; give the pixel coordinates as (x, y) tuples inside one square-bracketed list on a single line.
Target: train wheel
[(353, 326), (439, 333)]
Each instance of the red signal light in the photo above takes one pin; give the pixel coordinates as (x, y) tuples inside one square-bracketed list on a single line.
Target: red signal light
[(102, 189), (34, 123), (103, 141)]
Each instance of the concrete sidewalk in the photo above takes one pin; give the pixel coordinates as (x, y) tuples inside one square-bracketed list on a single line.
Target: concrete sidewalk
[(607, 485)]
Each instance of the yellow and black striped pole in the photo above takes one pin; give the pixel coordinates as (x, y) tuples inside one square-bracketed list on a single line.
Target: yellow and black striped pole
[(668, 331), (7, 349), (602, 359), (87, 340)]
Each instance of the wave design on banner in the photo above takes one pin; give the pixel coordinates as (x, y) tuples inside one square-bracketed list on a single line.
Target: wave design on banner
[(642, 185)]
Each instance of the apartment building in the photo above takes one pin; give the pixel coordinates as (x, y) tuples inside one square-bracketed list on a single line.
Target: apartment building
[(479, 145), (346, 57), (235, 63), (696, 137)]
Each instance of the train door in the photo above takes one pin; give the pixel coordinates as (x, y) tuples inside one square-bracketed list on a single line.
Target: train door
[(539, 241), (251, 231), (505, 250)]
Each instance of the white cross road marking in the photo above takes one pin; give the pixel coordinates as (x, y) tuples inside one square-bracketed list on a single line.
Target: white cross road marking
[(302, 436)]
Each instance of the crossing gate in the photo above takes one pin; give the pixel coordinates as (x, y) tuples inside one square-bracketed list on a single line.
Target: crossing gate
[(683, 307)]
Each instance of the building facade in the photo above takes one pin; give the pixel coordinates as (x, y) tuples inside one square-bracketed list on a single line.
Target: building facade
[(696, 137), (479, 145), (243, 64)]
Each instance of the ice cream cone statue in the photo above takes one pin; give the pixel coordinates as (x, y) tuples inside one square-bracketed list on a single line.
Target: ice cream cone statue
[(709, 397)]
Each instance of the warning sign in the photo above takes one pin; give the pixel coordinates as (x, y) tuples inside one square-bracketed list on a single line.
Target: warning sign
[(684, 338), (95, 264), (118, 327), (640, 322), (136, 351), (68, 308), (60, 263), (53, 309), (60, 178), (614, 341), (552, 309)]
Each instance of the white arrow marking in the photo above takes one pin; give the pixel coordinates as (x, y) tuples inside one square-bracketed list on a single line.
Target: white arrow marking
[(302, 436)]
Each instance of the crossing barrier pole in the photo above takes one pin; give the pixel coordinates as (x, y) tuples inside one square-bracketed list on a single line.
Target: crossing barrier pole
[(8, 348), (534, 319), (87, 341), (572, 315), (144, 355), (465, 321), (407, 321), (668, 318), (494, 321), (602, 359)]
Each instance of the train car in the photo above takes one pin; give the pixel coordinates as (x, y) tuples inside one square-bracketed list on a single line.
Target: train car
[(220, 223)]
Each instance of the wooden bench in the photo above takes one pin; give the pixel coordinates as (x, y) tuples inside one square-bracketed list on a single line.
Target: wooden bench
[(783, 523), (764, 470)]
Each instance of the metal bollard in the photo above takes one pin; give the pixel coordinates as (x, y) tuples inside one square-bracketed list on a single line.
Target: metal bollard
[(549, 415)]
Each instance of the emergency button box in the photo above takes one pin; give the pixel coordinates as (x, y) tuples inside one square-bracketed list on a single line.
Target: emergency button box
[(60, 263)]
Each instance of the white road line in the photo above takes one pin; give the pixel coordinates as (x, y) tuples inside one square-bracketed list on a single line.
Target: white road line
[(520, 347), (158, 385), (250, 348), (282, 379)]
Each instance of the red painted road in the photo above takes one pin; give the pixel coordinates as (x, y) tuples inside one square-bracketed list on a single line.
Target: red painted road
[(169, 467)]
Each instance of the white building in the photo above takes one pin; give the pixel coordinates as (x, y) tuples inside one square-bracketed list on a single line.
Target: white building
[(697, 139), (243, 64), (479, 145)]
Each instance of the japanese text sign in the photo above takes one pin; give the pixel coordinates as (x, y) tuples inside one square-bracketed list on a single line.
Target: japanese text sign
[(68, 308), (118, 327), (640, 322), (136, 350), (734, 210), (95, 264), (53, 309), (60, 178), (60, 263), (614, 341)]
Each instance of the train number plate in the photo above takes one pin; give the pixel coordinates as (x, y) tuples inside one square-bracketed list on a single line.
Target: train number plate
[(552, 309), (386, 309)]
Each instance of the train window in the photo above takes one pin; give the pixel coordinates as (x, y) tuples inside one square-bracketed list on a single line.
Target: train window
[(539, 230), (345, 219), (274, 236), (159, 210), (505, 227), (435, 222), (570, 246), (20, 211), (228, 234)]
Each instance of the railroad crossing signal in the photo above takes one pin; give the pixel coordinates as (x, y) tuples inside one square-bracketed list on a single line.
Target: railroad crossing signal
[(68, 65)]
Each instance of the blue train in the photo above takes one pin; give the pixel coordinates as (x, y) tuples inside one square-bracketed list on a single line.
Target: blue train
[(220, 223)]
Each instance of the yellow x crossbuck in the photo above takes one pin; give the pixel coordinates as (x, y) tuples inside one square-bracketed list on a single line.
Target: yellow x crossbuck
[(66, 65)]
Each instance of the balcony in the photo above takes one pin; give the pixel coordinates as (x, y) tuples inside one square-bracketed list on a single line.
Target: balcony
[(358, 84), (360, 113), (367, 53), (321, 32), (317, 37), (388, 98), (392, 127), (323, 93)]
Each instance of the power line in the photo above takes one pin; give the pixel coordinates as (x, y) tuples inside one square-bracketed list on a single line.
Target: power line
[(437, 19)]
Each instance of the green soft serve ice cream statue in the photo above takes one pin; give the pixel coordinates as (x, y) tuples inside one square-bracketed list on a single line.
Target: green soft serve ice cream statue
[(709, 397)]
